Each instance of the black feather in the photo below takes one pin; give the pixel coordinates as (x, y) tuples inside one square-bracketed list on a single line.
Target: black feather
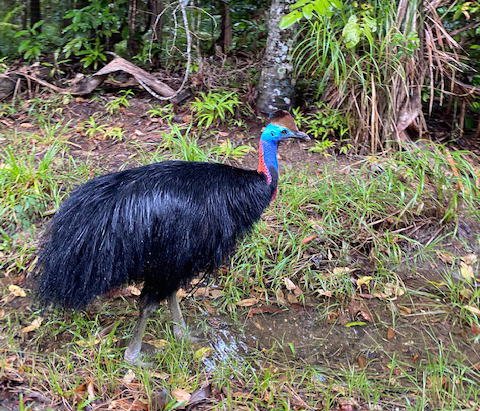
[(162, 223)]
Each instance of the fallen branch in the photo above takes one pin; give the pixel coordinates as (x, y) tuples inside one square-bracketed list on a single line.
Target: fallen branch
[(85, 86)]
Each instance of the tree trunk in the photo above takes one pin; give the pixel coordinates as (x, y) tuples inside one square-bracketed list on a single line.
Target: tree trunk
[(69, 6), (227, 36), (275, 88), (156, 23), (132, 43), (80, 4), (35, 13), (25, 17)]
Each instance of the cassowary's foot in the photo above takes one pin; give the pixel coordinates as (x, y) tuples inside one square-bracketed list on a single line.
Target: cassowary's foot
[(133, 356), (134, 353), (138, 357)]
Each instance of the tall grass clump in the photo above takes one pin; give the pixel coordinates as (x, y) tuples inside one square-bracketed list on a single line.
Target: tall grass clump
[(369, 60)]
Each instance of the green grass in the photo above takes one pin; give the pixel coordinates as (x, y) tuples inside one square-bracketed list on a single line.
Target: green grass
[(387, 218)]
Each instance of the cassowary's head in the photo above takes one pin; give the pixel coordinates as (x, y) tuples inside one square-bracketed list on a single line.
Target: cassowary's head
[(282, 127)]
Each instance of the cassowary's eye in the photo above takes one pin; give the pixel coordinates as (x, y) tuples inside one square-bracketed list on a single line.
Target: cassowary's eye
[(273, 133), (284, 131)]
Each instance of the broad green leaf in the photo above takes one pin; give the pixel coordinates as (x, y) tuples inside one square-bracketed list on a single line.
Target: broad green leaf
[(321, 6), (368, 35), (308, 11), (21, 33), (370, 22), (337, 3), (37, 25), (24, 45), (290, 19), (351, 32), (299, 3)]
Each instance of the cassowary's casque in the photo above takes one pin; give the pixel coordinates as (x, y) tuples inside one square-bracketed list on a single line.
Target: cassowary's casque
[(162, 224)]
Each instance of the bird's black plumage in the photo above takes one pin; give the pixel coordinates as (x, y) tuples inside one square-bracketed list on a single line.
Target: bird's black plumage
[(162, 224)]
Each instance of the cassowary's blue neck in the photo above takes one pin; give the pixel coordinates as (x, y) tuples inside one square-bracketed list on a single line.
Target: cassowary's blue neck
[(267, 158)]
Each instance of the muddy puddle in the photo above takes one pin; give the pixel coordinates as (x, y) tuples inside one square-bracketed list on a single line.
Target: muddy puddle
[(305, 338)]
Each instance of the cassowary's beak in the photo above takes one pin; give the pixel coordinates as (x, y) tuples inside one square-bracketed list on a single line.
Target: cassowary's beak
[(300, 135)]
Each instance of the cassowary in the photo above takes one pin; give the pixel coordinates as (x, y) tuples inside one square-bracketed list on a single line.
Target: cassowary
[(161, 224)]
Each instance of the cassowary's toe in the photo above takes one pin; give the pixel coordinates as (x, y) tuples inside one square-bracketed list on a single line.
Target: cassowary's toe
[(181, 333), (132, 356), (136, 357)]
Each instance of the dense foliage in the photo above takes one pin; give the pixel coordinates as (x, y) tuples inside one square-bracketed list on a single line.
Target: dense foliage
[(380, 65)]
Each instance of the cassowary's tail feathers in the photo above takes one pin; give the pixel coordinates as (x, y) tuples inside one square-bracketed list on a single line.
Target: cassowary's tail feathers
[(85, 252)]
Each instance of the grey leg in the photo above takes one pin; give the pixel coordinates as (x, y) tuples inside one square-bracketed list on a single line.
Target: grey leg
[(179, 326), (133, 351)]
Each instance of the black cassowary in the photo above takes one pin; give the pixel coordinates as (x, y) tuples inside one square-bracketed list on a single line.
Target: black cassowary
[(162, 224)]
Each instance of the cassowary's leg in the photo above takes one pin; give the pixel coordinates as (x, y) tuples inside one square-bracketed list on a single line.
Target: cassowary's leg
[(134, 349), (179, 326)]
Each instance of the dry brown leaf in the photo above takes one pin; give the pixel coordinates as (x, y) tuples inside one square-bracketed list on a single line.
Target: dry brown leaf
[(2, 313), (390, 333), (259, 326), (469, 259), (308, 239), (201, 394), (405, 310), (17, 291), (263, 309), (248, 302), (391, 291), (324, 293), (201, 292), (289, 284), (80, 391), (37, 322), (181, 293), (364, 295), (91, 390), (215, 293), (362, 361), (341, 270), (26, 125), (129, 377), (414, 358), (160, 375), (297, 291), (181, 395), (133, 290), (366, 315), (467, 272), (280, 297), (447, 258), (292, 299), (139, 404)]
